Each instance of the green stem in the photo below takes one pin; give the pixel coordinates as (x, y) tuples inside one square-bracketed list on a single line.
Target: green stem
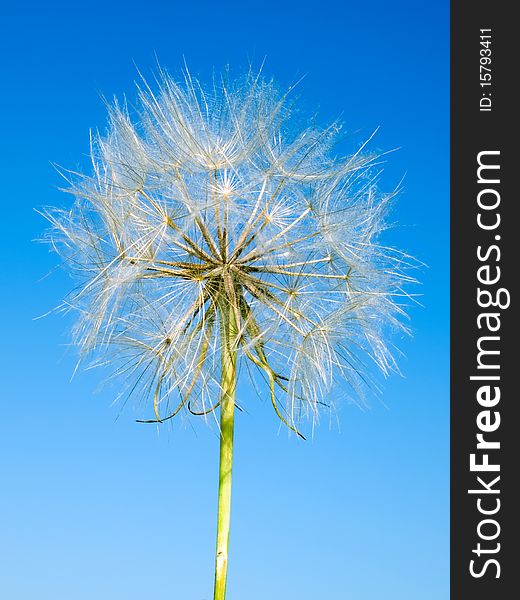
[(227, 423)]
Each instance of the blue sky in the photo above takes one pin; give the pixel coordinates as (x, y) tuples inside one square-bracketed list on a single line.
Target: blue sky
[(96, 506)]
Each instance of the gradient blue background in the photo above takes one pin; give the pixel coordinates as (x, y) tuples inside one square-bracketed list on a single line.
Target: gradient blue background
[(98, 507)]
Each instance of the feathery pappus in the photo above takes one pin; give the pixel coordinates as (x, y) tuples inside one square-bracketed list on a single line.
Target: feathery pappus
[(206, 210)]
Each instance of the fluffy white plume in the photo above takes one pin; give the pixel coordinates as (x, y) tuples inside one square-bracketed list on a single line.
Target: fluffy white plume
[(206, 201)]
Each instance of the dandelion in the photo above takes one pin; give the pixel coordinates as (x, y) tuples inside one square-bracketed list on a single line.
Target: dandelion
[(210, 235)]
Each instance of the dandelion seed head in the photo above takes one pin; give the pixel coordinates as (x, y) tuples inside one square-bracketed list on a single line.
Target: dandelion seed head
[(207, 200)]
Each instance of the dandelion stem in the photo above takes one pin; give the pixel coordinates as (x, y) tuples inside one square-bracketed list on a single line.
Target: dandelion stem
[(229, 333)]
